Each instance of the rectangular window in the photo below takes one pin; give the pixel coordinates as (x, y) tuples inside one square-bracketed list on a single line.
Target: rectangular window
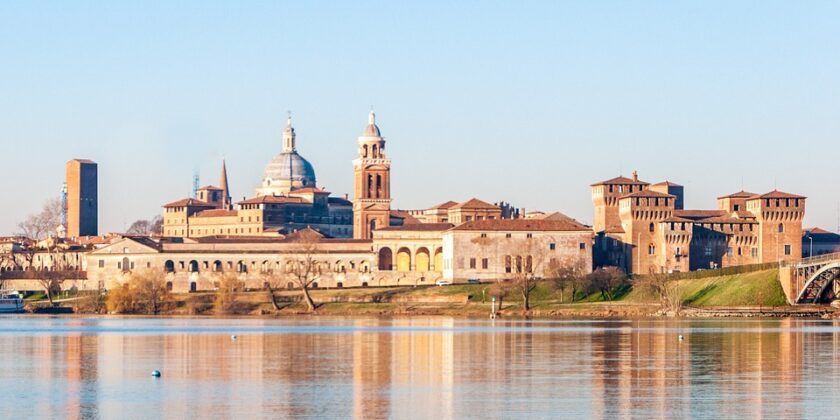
[(508, 264), (101, 263), (788, 249), (485, 263), (508, 235), (583, 245), (469, 218), (754, 252), (472, 264), (529, 236), (483, 235), (552, 246)]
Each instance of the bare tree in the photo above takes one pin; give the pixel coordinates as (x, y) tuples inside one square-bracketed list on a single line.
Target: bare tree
[(527, 268), (229, 285), (40, 225), (302, 270), (667, 290), (143, 292), (607, 279), (501, 290), (146, 227), (567, 276)]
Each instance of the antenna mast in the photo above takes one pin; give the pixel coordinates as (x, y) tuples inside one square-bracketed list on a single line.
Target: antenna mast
[(195, 184)]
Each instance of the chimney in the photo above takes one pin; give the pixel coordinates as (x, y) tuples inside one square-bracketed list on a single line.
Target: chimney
[(635, 176)]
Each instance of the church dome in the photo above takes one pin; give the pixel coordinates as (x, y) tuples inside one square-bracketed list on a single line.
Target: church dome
[(372, 130), (291, 169)]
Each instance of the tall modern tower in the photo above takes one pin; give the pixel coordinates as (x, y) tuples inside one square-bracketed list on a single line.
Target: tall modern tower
[(82, 198)]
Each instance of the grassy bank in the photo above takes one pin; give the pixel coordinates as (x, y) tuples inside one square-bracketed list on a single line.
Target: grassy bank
[(754, 289)]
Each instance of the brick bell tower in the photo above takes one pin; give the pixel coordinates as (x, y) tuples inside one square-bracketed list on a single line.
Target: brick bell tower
[(372, 199)]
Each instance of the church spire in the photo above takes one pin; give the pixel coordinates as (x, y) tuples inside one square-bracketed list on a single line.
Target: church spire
[(223, 184), (289, 136)]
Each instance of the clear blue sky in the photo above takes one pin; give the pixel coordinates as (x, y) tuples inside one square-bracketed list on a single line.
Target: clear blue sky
[(528, 102)]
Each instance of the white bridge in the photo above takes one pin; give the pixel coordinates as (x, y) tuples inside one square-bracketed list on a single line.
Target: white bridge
[(814, 280)]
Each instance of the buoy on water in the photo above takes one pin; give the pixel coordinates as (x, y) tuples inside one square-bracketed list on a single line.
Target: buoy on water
[(156, 373), (233, 337), (682, 338)]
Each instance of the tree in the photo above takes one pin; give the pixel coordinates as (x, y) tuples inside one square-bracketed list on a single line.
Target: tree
[(229, 285), (606, 279), (527, 267), (146, 227), (667, 290), (143, 292), (302, 270), (41, 225), (501, 289), (567, 276)]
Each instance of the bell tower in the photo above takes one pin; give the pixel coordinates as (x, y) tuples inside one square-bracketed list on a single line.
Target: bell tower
[(372, 198)]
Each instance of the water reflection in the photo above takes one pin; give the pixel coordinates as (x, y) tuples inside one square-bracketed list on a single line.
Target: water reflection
[(418, 368)]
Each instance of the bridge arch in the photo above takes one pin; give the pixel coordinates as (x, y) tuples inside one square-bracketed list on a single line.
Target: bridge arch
[(815, 288)]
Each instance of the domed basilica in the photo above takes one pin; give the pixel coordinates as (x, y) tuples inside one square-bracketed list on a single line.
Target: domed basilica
[(288, 171)]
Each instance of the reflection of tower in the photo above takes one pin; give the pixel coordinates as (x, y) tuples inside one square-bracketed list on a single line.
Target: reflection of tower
[(372, 201), (372, 352)]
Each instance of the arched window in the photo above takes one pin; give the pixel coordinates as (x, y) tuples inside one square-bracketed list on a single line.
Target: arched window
[(169, 266), (652, 227), (651, 249), (365, 151), (193, 267), (781, 227)]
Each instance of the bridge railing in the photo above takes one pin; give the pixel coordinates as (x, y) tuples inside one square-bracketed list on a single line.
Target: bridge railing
[(813, 260)]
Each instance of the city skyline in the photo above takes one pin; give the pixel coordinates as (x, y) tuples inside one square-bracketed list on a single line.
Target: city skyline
[(530, 114)]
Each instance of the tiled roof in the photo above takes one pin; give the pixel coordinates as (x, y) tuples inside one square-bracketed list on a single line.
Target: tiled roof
[(419, 227), (621, 181), (777, 194), (475, 203), (819, 231), (522, 225), (614, 229), (310, 190), (739, 194), (188, 202), (726, 219), (667, 183), (274, 199), (646, 193), (216, 213), (407, 218), (699, 214), (744, 214), (445, 205), (676, 219)]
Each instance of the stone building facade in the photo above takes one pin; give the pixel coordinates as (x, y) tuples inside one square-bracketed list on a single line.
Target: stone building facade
[(643, 228)]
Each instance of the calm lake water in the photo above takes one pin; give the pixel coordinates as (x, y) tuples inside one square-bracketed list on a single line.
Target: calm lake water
[(417, 368)]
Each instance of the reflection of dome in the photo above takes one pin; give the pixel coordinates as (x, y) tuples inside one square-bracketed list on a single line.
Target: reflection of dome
[(291, 169)]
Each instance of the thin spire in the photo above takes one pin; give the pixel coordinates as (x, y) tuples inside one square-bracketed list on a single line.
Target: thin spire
[(289, 118), (372, 117), (223, 184)]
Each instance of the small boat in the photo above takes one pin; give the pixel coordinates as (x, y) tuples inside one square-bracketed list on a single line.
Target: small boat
[(10, 302)]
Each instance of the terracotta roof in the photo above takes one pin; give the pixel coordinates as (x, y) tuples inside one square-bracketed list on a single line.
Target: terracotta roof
[(777, 194), (274, 199), (744, 214), (407, 218), (188, 202), (445, 205), (646, 193), (819, 231), (739, 194), (216, 213), (419, 227), (676, 219), (614, 229), (667, 183), (620, 181), (475, 203), (310, 190), (523, 225), (698, 214), (726, 219)]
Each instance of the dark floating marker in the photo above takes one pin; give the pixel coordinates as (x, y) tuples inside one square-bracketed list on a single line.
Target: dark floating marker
[(233, 337), (156, 373), (682, 338)]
